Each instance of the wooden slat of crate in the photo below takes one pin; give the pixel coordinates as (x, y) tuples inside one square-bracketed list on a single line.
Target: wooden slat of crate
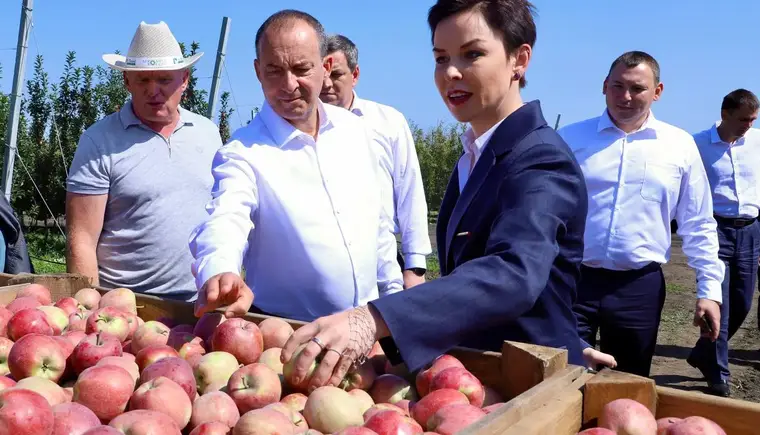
[(734, 416)]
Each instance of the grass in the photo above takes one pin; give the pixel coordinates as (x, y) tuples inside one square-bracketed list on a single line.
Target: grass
[(677, 288), (47, 248)]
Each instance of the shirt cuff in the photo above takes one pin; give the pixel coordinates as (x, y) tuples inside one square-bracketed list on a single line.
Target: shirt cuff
[(414, 261), (710, 290), (211, 268)]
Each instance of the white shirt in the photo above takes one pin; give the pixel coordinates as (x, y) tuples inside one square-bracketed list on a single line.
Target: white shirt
[(304, 218), (473, 149), (733, 171), (409, 206), (637, 183)]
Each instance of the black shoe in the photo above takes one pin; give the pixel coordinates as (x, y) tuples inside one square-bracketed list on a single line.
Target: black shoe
[(721, 389)]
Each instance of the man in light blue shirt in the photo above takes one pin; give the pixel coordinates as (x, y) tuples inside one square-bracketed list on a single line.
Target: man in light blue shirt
[(730, 151)]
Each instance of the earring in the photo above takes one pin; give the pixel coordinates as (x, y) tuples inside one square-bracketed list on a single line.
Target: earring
[(516, 76)]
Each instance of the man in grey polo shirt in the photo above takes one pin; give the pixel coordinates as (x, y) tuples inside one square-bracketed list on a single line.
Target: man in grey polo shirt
[(141, 177)]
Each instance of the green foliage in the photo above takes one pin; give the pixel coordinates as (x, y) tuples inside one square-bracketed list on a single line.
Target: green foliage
[(438, 150), (224, 116)]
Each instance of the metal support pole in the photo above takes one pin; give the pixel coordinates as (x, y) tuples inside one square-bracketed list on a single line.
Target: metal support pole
[(220, 53), (11, 136), (556, 124)]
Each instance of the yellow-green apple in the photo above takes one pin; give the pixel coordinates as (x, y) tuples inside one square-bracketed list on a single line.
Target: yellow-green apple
[(125, 363), (5, 315), (22, 303), (78, 321), (36, 355), (192, 350), (92, 349), (6, 382), (356, 430), (288, 371), (105, 390), (627, 416), (424, 376), (48, 389), (390, 389), (380, 407), (460, 379), (56, 317), (295, 417), (163, 395), (74, 337), (389, 422), (109, 320), (435, 400), (275, 332), (330, 409), (28, 321), (73, 419), (149, 355), (214, 368), (240, 338), (134, 323), (215, 406), (152, 333), (69, 306), (212, 428), (24, 412), (89, 298), (362, 378), (37, 291), (207, 324), (5, 349), (451, 419), (263, 421), (271, 357), (176, 369), (254, 386), (295, 401), (363, 399), (145, 422), (120, 298)]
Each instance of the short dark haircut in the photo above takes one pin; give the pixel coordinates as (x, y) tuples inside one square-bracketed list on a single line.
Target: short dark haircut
[(740, 98), (287, 16), (512, 19), (341, 43), (633, 59)]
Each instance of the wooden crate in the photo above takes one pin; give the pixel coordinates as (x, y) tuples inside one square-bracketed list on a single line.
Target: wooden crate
[(530, 376)]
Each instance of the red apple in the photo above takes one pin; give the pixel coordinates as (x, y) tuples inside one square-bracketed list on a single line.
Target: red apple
[(263, 421), (5, 349), (134, 323), (424, 376), (103, 430), (121, 299), (460, 379), (380, 407), (74, 337), (89, 298), (36, 355), (207, 324), (694, 425), (28, 321), (176, 369), (254, 386), (78, 321), (152, 333), (363, 399), (357, 430), (109, 320), (5, 316), (215, 406), (73, 419), (24, 412), (69, 306), (391, 389), (295, 401), (362, 378), (181, 334), (125, 363), (390, 422), (145, 422), (163, 395), (378, 358), (597, 431), (212, 428), (627, 416), (151, 354), (214, 368), (240, 338), (271, 358), (435, 400), (48, 389), (275, 332), (6, 382), (330, 409), (105, 390), (664, 423), (92, 349), (126, 347), (295, 417), (22, 303), (37, 291), (449, 420), (56, 317)]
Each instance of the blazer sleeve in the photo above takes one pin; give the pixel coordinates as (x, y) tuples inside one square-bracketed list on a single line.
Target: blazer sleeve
[(538, 195)]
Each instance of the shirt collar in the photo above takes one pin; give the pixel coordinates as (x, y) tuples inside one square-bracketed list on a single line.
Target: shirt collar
[(357, 105), (128, 118), (715, 137), (475, 145), (281, 130), (605, 122)]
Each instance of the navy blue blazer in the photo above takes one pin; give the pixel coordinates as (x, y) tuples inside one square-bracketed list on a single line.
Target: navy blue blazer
[(510, 248)]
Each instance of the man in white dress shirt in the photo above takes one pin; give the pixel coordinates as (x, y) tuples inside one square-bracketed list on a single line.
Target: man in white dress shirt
[(410, 208), (640, 173), (298, 194), (730, 151)]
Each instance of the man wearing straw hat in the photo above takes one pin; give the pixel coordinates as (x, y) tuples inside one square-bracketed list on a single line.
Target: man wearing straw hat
[(141, 177)]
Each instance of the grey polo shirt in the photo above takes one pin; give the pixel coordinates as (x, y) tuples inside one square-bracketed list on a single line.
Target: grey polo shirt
[(157, 193)]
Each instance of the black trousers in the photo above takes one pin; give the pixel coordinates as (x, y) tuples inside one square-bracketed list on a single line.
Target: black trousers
[(625, 308)]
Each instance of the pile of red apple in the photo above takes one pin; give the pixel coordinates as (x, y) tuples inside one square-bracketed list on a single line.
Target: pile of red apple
[(88, 365), (629, 417)]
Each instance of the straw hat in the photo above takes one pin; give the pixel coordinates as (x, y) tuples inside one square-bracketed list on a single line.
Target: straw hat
[(153, 48)]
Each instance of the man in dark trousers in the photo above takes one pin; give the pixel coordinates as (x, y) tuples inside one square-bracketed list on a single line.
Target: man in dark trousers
[(15, 256), (730, 151)]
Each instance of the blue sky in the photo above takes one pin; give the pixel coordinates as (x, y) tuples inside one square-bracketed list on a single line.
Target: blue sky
[(706, 49)]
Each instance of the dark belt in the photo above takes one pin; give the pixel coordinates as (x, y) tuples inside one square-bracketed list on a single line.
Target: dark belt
[(734, 222)]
